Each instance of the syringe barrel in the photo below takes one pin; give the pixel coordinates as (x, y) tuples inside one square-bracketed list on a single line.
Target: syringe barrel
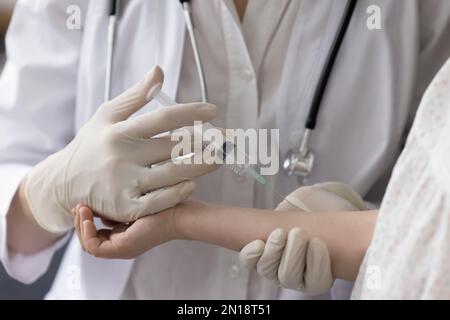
[(223, 150)]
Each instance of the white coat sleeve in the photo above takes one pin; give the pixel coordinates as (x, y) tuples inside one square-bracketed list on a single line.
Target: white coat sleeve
[(37, 102)]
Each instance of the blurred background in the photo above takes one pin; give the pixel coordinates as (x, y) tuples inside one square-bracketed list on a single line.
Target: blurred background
[(10, 289)]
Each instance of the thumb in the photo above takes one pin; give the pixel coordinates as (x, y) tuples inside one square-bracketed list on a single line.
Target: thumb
[(251, 253), (133, 99)]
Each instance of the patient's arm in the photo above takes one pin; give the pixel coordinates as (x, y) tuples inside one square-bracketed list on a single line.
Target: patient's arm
[(347, 234)]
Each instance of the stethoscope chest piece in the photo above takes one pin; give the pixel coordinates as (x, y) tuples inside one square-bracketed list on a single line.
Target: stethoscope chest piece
[(300, 162), (296, 164)]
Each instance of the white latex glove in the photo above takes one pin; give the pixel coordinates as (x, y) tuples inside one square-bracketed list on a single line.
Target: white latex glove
[(107, 165), (293, 259)]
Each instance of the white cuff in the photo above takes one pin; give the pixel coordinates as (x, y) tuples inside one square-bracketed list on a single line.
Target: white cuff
[(24, 268)]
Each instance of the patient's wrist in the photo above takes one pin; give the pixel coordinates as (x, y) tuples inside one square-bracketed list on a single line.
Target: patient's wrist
[(186, 219), (180, 222)]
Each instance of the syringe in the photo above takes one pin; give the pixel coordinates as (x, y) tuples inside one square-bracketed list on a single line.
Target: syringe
[(223, 151)]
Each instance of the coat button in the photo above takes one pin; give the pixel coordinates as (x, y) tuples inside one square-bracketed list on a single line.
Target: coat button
[(233, 271), (247, 74)]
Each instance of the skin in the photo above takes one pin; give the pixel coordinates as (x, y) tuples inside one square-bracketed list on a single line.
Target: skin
[(241, 5), (5, 17), (347, 234)]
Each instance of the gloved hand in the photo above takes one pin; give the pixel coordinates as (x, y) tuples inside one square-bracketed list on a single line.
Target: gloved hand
[(107, 165), (294, 259)]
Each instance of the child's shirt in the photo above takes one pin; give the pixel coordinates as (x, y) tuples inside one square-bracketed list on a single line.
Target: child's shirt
[(409, 257)]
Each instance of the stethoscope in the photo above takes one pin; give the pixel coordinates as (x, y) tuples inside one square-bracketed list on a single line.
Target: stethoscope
[(298, 162)]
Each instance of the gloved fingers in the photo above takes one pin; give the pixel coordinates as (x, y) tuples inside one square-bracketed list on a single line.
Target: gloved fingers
[(167, 119), (325, 201), (292, 204), (152, 151), (344, 191), (285, 205), (251, 253), (172, 173), (318, 277), (293, 261), (296, 200), (163, 199), (133, 99), (159, 149), (316, 199), (267, 266)]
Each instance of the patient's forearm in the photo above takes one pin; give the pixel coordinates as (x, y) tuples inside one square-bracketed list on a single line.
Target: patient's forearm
[(347, 234)]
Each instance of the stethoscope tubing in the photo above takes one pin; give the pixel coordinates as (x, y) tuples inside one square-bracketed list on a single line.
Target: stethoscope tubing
[(190, 28), (112, 27), (329, 64)]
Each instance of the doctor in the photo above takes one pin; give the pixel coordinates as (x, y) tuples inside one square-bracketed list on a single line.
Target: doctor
[(259, 77)]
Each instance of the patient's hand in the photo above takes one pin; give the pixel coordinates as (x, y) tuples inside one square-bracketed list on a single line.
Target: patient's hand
[(122, 241)]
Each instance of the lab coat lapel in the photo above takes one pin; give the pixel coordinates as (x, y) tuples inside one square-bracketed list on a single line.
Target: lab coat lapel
[(259, 38), (170, 44), (313, 32)]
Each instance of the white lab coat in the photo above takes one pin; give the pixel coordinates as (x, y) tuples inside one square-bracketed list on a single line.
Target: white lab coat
[(54, 82)]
